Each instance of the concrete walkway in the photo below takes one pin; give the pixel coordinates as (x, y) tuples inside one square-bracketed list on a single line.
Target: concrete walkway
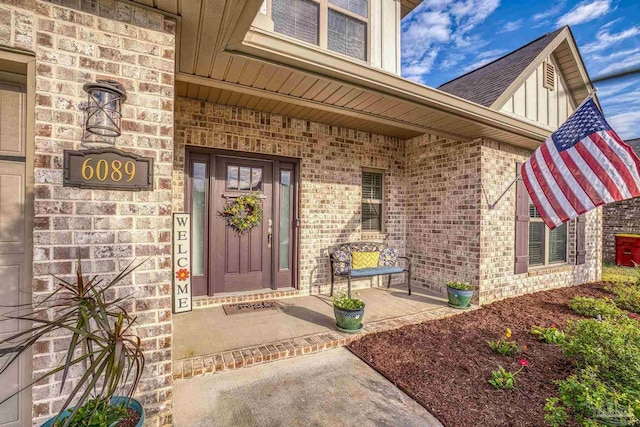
[(332, 388)]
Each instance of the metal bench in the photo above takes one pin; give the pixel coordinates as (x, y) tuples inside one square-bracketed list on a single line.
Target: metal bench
[(341, 260)]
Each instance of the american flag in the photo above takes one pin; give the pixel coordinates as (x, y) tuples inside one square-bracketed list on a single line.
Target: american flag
[(582, 165)]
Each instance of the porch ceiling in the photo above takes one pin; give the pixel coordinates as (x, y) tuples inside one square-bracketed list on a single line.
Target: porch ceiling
[(222, 58)]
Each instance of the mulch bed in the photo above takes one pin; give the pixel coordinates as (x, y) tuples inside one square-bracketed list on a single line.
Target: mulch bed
[(445, 364)]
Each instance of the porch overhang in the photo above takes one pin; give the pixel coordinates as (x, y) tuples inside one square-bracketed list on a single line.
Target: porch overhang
[(228, 60)]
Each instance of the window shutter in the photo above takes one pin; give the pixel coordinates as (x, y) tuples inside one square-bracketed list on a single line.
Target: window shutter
[(522, 226), (581, 251)]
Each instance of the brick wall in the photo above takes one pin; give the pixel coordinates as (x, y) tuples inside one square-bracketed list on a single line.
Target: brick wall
[(82, 42), (443, 210), (497, 235), (620, 218), (331, 162)]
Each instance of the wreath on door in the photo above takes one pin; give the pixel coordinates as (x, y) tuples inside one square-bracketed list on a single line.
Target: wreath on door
[(244, 213)]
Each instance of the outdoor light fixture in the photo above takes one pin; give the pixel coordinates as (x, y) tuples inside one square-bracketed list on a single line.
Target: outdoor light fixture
[(102, 112)]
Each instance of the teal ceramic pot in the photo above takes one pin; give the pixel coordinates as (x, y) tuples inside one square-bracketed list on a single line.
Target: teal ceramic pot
[(459, 298), (349, 320), (115, 400)]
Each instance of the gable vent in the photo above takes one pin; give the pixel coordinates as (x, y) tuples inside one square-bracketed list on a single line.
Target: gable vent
[(548, 78)]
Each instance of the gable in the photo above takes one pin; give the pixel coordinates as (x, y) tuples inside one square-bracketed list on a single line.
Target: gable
[(510, 83), (534, 101), (486, 84)]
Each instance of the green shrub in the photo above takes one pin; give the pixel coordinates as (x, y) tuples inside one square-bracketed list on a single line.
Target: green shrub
[(606, 388), (550, 335), (592, 307), (592, 402), (627, 296), (611, 348)]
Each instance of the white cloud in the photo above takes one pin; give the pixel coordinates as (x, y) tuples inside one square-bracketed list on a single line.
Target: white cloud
[(433, 25), (627, 125), (414, 70), (450, 60), (608, 90), (627, 63), (585, 12), (604, 39), (511, 26), (613, 55), (549, 13)]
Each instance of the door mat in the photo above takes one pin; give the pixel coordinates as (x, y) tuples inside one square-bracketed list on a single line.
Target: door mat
[(250, 307)]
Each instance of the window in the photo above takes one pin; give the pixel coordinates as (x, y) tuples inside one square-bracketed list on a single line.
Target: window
[(296, 18), (337, 25), (372, 205), (244, 178), (545, 246)]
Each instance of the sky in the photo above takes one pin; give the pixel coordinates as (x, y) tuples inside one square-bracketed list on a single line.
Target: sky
[(443, 39)]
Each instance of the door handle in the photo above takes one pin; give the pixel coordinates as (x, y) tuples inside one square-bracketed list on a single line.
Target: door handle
[(269, 233)]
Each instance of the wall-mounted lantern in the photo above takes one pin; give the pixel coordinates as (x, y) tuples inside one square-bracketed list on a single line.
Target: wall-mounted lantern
[(102, 112)]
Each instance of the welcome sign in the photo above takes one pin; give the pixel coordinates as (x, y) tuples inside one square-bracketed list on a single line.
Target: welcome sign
[(181, 262)]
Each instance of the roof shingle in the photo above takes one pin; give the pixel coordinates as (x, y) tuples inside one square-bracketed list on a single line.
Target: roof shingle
[(485, 84)]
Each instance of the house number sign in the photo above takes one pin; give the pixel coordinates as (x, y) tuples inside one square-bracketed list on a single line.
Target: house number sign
[(107, 168)]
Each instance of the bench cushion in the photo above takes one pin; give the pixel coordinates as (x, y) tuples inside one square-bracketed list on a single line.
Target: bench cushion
[(365, 272), (364, 260)]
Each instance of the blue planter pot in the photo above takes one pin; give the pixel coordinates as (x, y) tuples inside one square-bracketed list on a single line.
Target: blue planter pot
[(115, 400), (459, 298)]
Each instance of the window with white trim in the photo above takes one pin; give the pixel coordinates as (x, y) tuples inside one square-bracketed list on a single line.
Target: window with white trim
[(338, 25), (546, 246), (372, 201)]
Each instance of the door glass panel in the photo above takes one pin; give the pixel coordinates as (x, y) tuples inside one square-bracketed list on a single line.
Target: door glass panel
[(232, 177), (256, 179), (285, 218), (245, 178), (198, 216)]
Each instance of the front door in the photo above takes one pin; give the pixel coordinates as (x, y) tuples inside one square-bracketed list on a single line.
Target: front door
[(242, 262), (224, 260), (13, 247)]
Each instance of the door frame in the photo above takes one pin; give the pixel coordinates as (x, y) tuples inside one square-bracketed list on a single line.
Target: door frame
[(194, 151), (20, 67)]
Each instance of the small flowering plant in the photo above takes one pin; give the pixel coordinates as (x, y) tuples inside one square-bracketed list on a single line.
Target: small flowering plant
[(550, 335), (505, 380), (505, 347)]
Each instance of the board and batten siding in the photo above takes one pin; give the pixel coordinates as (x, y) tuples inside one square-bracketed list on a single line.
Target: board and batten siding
[(535, 102)]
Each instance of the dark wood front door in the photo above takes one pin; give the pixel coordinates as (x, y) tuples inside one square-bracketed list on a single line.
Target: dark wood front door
[(223, 260), (242, 262)]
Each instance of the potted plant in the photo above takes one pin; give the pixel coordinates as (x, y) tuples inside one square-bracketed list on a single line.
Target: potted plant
[(459, 294), (349, 313), (101, 346)]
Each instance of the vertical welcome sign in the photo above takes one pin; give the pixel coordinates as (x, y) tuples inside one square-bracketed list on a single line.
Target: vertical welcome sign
[(181, 262)]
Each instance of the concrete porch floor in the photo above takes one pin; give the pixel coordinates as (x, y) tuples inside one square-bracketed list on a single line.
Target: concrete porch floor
[(209, 330)]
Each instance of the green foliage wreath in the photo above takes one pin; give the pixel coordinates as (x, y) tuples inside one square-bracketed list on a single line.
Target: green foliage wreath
[(244, 213)]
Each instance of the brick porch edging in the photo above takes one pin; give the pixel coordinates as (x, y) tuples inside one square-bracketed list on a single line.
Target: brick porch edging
[(249, 356)]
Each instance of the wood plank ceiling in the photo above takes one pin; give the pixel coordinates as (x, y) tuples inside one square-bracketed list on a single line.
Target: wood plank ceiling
[(217, 76)]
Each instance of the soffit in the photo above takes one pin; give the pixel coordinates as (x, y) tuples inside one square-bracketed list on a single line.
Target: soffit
[(208, 68)]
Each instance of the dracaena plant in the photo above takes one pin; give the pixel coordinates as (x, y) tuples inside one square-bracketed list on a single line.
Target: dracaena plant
[(102, 345)]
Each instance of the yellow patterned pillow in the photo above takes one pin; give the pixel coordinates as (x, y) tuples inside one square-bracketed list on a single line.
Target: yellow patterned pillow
[(364, 259)]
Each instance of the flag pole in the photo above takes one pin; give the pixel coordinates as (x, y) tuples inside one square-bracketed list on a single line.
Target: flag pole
[(493, 205)]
